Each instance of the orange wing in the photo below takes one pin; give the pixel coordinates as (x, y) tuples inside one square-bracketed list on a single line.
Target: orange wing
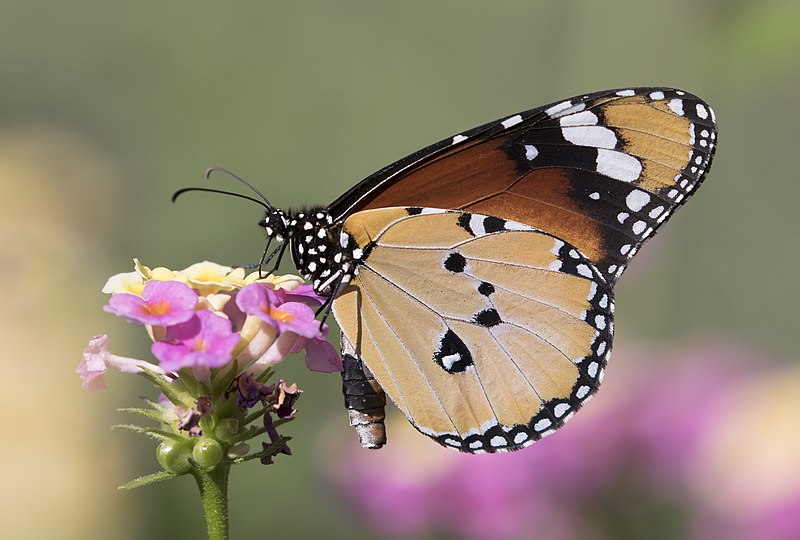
[(601, 171)]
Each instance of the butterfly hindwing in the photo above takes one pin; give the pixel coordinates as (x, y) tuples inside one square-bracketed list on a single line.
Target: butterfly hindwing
[(486, 333), (601, 171)]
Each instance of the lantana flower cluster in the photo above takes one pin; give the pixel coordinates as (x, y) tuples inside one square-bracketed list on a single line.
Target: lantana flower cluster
[(216, 334)]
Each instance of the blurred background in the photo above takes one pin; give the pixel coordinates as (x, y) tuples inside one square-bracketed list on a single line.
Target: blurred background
[(107, 108)]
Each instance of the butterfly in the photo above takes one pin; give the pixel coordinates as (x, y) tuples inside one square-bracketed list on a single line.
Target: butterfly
[(473, 281)]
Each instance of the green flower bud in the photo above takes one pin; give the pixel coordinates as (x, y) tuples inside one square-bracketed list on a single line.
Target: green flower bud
[(226, 429), (207, 452), (238, 451), (174, 456)]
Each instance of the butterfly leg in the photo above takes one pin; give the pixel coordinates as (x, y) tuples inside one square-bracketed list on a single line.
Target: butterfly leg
[(364, 399)]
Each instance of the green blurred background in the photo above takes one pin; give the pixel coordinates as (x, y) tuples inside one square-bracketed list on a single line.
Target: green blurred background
[(107, 108)]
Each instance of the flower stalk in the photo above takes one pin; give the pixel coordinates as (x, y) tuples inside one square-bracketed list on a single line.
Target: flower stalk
[(213, 487)]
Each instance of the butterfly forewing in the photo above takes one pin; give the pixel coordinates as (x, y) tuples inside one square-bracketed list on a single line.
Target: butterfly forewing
[(601, 171), (486, 333)]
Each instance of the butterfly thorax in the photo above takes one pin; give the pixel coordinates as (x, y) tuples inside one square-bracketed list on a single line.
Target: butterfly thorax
[(322, 254)]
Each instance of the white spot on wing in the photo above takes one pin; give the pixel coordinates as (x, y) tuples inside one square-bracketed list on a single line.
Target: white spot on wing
[(560, 409), (676, 106), (594, 195), (600, 321), (476, 225), (458, 138), (584, 270), (497, 440), (450, 359), (564, 108), (637, 199), (592, 369), (594, 136), (618, 165), (513, 121), (657, 96), (702, 112), (531, 152), (544, 423), (584, 118), (626, 93)]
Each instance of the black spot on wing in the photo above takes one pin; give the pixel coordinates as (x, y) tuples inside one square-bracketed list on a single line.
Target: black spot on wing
[(463, 222), (488, 317), (485, 288), (455, 262), (414, 210), (452, 355), (493, 224)]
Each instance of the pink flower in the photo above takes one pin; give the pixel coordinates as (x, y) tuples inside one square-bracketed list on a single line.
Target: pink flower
[(272, 307), (304, 294), (163, 303), (205, 340), (320, 356), (97, 360)]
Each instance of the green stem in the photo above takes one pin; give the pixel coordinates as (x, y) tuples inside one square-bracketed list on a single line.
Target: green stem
[(214, 495)]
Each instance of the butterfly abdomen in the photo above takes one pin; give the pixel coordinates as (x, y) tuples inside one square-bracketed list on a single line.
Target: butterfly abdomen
[(364, 399)]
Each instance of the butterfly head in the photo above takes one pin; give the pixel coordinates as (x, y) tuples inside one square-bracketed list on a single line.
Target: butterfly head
[(276, 225)]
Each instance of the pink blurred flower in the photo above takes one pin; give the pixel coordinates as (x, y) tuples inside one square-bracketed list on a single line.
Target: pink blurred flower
[(205, 340), (97, 360), (163, 303), (641, 441)]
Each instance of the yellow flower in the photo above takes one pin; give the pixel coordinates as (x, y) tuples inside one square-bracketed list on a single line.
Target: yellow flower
[(287, 282), (214, 302), (158, 273), (127, 282), (208, 278)]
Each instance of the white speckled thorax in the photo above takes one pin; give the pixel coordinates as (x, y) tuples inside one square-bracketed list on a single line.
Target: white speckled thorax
[(318, 251)]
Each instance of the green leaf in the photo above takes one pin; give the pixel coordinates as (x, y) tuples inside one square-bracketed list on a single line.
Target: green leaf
[(268, 451), (224, 380), (264, 376), (153, 433), (158, 416), (176, 396), (247, 434), (149, 479), (255, 415)]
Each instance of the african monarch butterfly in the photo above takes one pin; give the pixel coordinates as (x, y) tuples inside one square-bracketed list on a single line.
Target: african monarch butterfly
[(473, 280)]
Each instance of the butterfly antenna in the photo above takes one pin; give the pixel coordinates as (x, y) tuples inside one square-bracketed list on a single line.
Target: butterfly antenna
[(212, 170), (209, 190)]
